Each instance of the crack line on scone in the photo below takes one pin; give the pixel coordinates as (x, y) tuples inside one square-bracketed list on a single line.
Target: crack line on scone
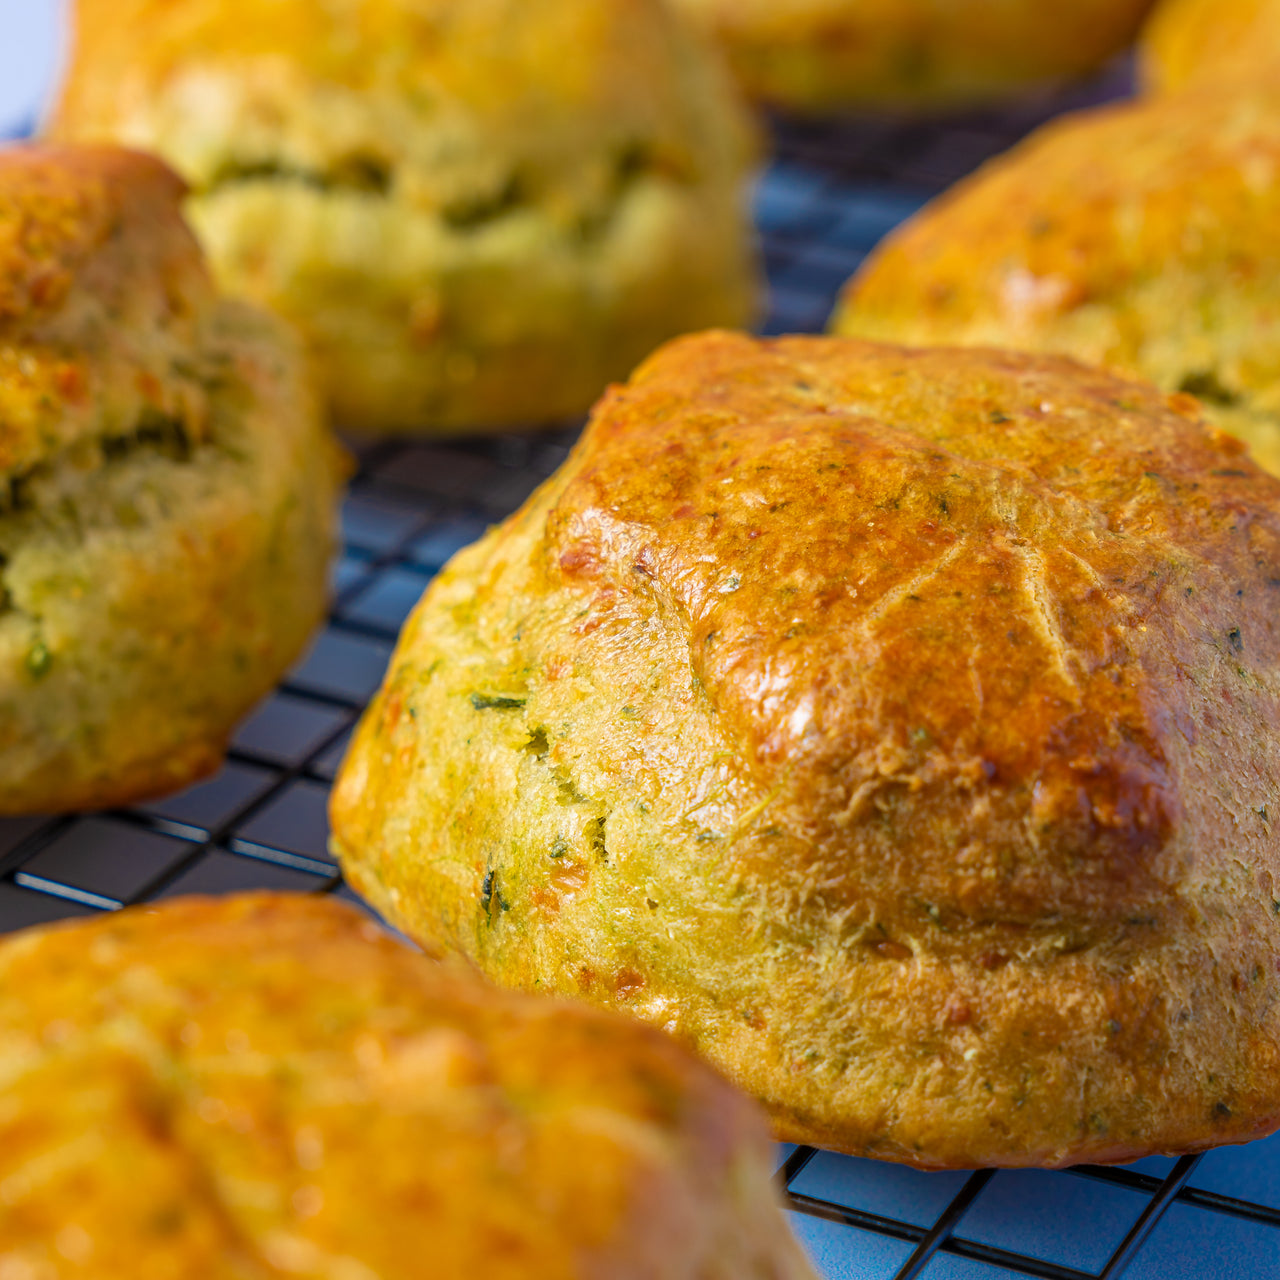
[(374, 177), (50, 483), (360, 171), (156, 1113), (1119, 603), (757, 810), (899, 594), (1034, 584)]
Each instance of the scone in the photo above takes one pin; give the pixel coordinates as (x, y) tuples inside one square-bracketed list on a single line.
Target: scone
[(166, 488), (896, 727), (1144, 236), (819, 55), (478, 211), (267, 1085), (1189, 41)]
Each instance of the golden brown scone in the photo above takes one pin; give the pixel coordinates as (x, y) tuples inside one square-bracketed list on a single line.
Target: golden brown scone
[(1188, 41), (1144, 236), (166, 488), (479, 211), (269, 1085), (897, 727), (819, 55)]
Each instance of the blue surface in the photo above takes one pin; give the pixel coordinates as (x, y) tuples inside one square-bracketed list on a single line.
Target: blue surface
[(842, 1252), (1250, 1172), (1194, 1244), (293, 822), (945, 1266), (1037, 1213), (891, 1191), (387, 601), (434, 548), (30, 49), (210, 804)]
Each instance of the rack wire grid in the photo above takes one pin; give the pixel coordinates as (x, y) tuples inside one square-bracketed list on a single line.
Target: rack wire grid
[(831, 192)]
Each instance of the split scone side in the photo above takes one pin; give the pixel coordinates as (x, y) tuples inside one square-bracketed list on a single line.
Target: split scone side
[(479, 212), (896, 727), (167, 488), (824, 55), (1143, 236), (269, 1085)]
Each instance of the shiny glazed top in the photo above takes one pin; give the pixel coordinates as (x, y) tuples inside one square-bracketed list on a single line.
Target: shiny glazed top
[(969, 604)]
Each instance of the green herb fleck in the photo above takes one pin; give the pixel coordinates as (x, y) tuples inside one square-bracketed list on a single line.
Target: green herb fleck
[(167, 1220), (496, 702), (1205, 384), (490, 893), (39, 659)]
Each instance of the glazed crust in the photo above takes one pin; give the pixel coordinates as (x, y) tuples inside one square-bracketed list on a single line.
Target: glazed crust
[(819, 55), (478, 211), (1189, 41), (166, 488), (1142, 236), (269, 1085), (897, 727)]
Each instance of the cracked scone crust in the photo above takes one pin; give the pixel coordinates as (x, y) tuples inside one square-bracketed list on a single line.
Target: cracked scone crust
[(1142, 236), (898, 728), (269, 1085), (819, 55), (478, 211), (166, 489)]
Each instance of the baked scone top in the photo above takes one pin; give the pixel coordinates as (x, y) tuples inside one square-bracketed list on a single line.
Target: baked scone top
[(166, 488), (269, 1084), (102, 287), (1188, 41), (824, 54), (468, 106), (1141, 236), (974, 589), (897, 726)]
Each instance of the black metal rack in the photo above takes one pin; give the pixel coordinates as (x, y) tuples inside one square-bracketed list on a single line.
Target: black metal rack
[(831, 192)]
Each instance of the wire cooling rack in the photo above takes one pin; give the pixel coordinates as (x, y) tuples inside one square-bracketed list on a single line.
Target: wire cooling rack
[(830, 194)]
